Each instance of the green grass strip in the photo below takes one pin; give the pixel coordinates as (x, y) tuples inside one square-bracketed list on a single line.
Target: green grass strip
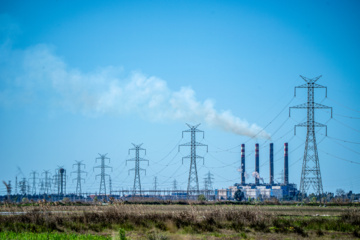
[(50, 236)]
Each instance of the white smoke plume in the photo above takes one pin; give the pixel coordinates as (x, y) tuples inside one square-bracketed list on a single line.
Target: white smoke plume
[(240, 169), (36, 73), (257, 175)]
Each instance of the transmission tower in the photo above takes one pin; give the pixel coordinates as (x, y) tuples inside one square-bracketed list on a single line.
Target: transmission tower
[(33, 178), (78, 178), (310, 174), (137, 159), (102, 175), (174, 185), (16, 185), (55, 181), (42, 186), (193, 182), (23, 186), (155, 184), (208, 181), (47, 182)]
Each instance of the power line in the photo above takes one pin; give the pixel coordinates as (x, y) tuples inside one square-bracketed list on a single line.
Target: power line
[(168, 152), (346, 147), (339, 157), (347, 125), (344, 105), (346, 116), (342, 140)]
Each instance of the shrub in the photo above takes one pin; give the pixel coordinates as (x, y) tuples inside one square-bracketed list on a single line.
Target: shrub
[(122, 234), (201, 198)]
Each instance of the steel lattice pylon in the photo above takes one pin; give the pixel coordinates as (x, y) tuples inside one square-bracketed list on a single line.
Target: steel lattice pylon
[(33, 178), (193, 182), (137, 159), (78, 177), (102, 157), (47, 182), (310, 174)]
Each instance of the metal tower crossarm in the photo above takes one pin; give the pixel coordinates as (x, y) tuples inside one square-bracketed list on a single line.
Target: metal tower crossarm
[(193, 182), (310, 175)]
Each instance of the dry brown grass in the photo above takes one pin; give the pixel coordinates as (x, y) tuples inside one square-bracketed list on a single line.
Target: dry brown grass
[(213, 222)]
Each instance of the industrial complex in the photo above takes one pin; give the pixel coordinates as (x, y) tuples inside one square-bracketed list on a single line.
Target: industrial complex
[(55, 185), (257, 190)]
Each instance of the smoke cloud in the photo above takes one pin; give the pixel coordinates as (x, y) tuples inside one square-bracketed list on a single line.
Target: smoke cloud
[(38, 75), (257, 176)]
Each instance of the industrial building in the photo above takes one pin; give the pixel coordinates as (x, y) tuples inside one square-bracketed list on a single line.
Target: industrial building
[(257, 190)]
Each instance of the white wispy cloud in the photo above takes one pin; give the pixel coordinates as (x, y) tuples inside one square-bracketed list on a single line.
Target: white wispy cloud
[(37, 74)]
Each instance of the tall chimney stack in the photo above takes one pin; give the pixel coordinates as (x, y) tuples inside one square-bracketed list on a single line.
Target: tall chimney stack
[(286, 164), (242, 164), (257, 163), (271, 164)]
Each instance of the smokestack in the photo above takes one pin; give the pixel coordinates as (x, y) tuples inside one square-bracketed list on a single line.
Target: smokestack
[(271, 163), (242, 164), (286, 164), (257, 163)]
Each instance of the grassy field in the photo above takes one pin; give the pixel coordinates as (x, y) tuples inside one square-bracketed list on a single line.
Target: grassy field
[(146, 221), (51, 236)]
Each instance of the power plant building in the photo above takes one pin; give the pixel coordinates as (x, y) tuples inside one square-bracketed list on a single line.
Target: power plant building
[(257, 190)]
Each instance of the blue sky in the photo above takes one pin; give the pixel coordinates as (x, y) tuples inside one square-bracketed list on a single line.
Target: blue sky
[(78, 79)]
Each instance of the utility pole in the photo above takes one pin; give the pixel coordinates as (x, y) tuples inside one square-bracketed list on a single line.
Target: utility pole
[(78, 178), (33, 175), (137, 159), (310, 174), (193, 182), (102, 175), (47, 181)]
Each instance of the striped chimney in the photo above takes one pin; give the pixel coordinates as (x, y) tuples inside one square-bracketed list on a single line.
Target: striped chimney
[(257, 163), (286, 164), (242, 164), (271, 163)]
